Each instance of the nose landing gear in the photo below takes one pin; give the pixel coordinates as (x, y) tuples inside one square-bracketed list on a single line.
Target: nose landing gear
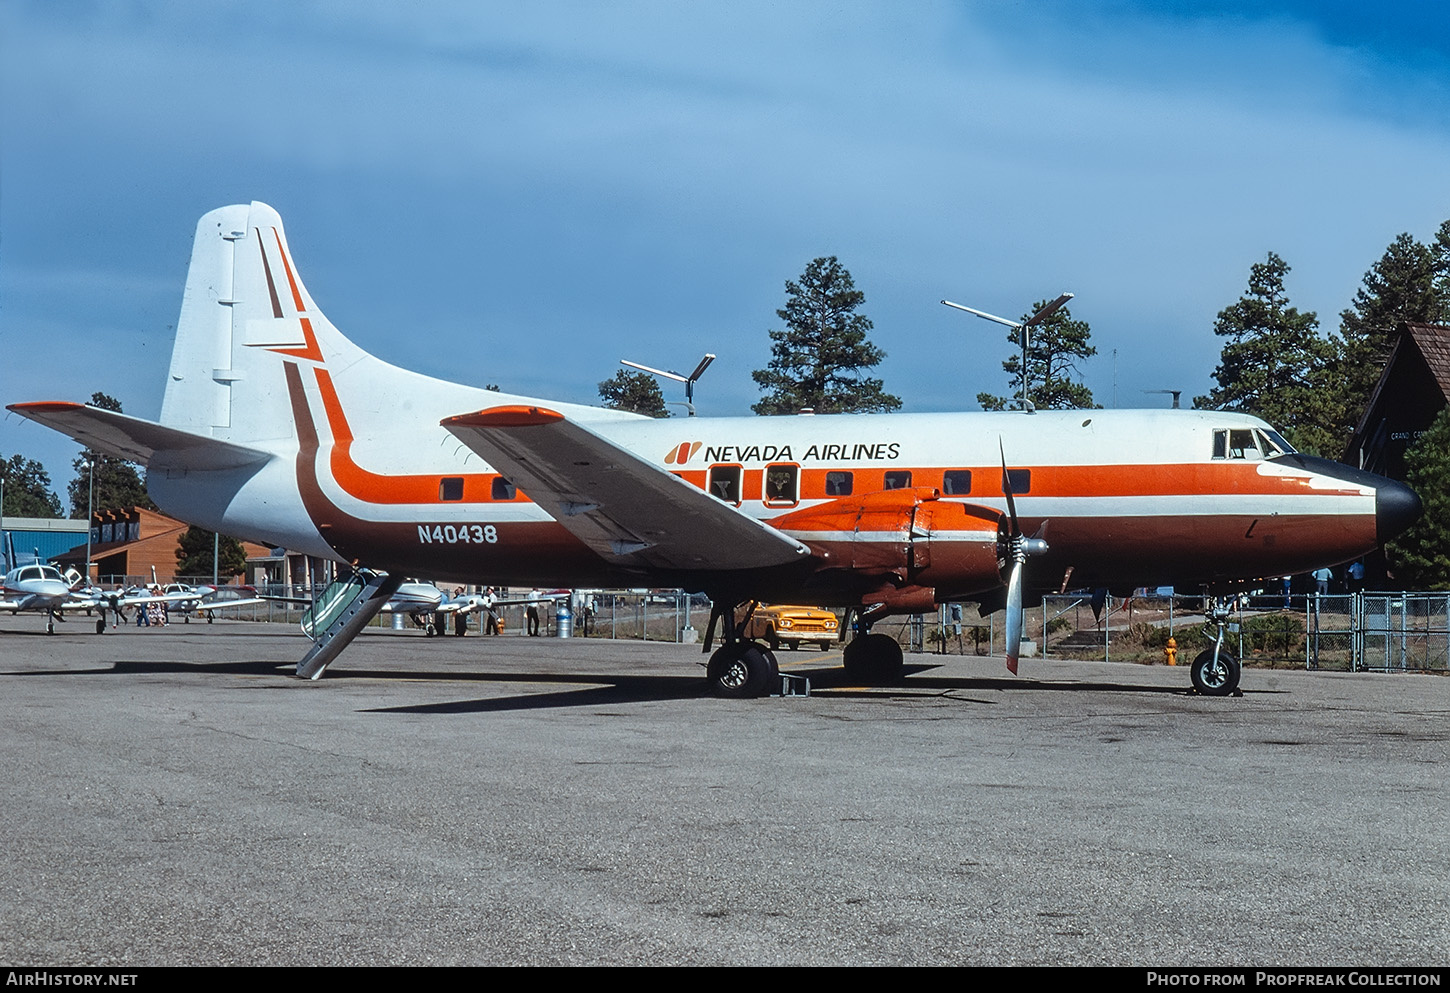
[(1215, 672)]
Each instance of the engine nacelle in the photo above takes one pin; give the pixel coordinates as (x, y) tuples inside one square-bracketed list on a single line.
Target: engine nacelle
[(911, 537)]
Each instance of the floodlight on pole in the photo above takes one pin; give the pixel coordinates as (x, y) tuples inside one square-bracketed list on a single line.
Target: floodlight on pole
[(1022, 329), (1176, 394), (689, 380)]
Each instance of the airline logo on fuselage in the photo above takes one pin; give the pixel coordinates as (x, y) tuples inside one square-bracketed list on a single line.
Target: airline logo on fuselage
[(858, 452)]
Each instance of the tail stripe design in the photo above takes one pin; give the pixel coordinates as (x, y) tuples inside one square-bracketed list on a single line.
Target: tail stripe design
[(310, 349), (267, 271)]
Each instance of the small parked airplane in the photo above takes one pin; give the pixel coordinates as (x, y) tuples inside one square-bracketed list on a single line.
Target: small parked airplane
[(39, 587), (276, 426)]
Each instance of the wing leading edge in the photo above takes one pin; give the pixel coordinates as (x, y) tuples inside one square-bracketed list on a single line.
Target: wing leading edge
[(135, 439), (631, 512)]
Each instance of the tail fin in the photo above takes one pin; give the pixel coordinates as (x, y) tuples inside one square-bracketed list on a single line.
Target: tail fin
[(244, 313)]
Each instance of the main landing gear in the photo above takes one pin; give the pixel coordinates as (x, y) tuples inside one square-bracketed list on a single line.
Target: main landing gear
[(874, 659), (738, 669), (742, 669), (1215, 672)]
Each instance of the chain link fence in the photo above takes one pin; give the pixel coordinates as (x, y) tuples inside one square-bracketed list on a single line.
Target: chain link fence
[(1376, 632)]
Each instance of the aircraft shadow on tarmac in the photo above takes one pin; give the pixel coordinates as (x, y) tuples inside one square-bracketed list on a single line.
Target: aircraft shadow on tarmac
[(832, 682), (595, 689)]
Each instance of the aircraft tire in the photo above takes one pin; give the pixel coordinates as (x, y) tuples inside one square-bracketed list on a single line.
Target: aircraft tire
[(874, 659), (1215, 680), (742, 670), (101, 624)]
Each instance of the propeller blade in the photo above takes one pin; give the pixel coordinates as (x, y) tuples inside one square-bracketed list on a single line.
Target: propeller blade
[(1014, 615), (1007, 492), (1018, 550)]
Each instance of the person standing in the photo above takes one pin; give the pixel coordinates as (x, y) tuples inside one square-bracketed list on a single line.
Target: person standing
[(460, 619), (488, 601), (531, 614)]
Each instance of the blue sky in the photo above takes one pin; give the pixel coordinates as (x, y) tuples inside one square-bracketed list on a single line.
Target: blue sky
[(525, 193)]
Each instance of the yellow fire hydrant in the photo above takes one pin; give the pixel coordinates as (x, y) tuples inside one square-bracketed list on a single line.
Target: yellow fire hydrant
[(1170, 651)]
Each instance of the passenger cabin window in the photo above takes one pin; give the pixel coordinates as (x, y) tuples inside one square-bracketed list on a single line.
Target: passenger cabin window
[(450, 488), (502, 489), (897, 479), (838, 483), (782, 485), (724, 483), (1020, 480), (956, 482)]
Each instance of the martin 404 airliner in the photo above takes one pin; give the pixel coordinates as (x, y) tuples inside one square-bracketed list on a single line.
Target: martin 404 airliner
[(277, 427)]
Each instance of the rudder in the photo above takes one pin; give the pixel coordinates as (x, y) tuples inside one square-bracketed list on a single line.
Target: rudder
[(245, 312)]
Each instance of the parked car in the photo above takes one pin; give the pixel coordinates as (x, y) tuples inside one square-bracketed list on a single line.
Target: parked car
[(792, 626)]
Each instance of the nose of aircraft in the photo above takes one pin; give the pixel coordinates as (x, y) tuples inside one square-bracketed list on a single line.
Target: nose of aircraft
[(1396, 507), (51, 589)]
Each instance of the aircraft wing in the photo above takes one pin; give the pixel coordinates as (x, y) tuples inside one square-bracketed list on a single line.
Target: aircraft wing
[(136, 439), (631, 512), (223, 604)]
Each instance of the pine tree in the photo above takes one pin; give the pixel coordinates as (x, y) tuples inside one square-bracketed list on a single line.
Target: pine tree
[(819, 357), (1276, 365), (1407, 284), (634, 391), (1420, 558), (194, 554), (118, 484), (28, 490), (1410, 282), (1053, 350)]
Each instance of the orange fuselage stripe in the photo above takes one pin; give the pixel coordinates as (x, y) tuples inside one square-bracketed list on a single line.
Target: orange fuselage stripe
[(1176, 479)]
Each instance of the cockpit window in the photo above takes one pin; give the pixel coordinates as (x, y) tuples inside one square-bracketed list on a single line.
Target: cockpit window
[(1241, 445), (1236, 443), (1273, 443)]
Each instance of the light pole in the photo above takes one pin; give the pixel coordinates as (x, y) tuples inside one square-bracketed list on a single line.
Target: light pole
[(689, 380), (90, 510), (1023, 330)]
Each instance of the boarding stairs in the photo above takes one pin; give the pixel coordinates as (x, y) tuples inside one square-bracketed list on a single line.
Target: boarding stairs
[(342, 611)]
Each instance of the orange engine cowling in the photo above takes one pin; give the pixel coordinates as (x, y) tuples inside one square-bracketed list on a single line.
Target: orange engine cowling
[(910, 535)]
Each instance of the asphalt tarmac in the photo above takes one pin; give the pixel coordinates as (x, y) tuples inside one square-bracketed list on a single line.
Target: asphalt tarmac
[(174, 796)]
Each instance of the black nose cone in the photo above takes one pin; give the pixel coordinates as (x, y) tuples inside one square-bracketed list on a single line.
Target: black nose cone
[(1396, 507)]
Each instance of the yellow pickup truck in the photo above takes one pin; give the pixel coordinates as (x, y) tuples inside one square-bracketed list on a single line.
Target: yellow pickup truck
[(792, 626)]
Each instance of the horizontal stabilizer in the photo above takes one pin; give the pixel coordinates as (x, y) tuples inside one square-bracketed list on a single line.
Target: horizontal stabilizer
[(631, 512), (138, 440)]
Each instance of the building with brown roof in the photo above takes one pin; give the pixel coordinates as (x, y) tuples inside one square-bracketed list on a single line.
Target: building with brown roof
[(126, 545), (1412, 390)]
